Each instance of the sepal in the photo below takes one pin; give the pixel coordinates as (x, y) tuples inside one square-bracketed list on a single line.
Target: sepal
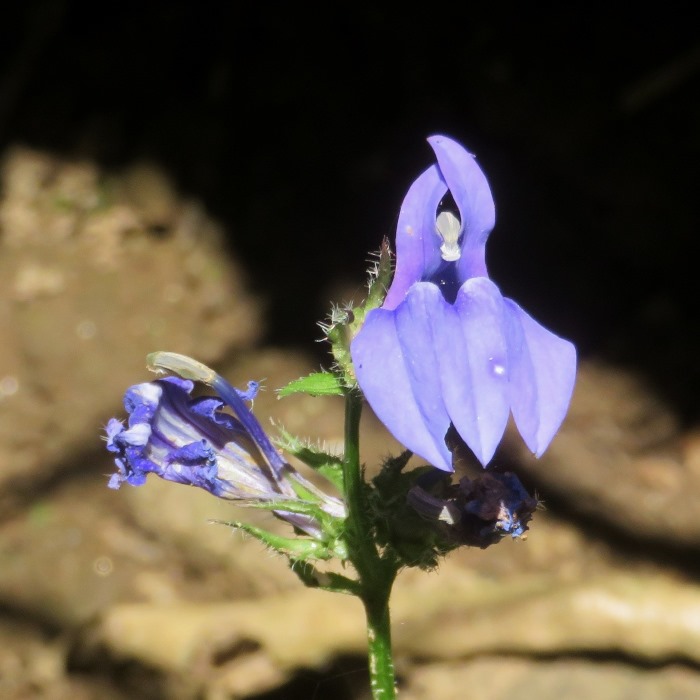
[(476, 512), (327, 530), (315, 384), (345, 322), (312, 577), (400, 530), (421, 515), (379, 280), (295, 548), (327, 465)]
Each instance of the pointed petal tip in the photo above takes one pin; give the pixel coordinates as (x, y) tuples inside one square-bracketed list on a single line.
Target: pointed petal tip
[(439, 462), (485, 455), (441, 139), (442, 143), (470, 191), (544, 378)]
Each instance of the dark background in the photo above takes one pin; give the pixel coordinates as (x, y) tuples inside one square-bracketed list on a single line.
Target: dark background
[(302, 128)]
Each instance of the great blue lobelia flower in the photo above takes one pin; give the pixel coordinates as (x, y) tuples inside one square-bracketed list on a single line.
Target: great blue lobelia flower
[(193, 441), (446, 347)]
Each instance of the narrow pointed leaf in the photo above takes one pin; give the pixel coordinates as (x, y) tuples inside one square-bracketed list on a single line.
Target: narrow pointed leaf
[(316, 384)]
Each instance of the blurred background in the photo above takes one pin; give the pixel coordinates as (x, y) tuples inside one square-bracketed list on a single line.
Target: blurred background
[(207, 179)]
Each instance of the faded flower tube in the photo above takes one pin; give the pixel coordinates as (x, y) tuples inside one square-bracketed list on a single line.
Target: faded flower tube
[(194, 441)]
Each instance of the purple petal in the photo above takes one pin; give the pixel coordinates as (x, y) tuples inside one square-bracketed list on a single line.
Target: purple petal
[(115, 481), (474, 366), (236, 402), (543, 372), (429, 363), (395, 361), (113, 429), (472, 195), (417, 242)]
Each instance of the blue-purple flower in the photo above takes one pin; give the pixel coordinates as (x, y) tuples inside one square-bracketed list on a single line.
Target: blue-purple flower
[(446, 347), (194, 441)]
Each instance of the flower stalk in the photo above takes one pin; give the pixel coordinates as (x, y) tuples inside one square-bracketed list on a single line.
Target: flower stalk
[(376, 573)]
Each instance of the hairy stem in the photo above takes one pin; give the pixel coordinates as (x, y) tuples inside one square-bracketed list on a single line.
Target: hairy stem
[(376, 574)]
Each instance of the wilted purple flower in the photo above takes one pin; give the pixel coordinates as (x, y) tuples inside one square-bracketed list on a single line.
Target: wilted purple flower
[(478, 512), (193, 441), (446, 347)]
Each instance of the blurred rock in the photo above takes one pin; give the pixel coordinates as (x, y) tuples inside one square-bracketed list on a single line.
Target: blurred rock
[(456, 615), (554, 679), (97, 270), (650, 618), (73, 553), (33, 665), (220, 645), (142, 575)]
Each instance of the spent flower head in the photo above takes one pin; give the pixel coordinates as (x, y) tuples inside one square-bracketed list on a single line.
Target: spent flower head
[(479, 511)]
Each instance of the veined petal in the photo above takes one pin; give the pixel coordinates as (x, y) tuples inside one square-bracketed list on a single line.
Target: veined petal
[(542, 376), (396, 364), (472, 195), (474, 366), (188, 441), (417, 241)]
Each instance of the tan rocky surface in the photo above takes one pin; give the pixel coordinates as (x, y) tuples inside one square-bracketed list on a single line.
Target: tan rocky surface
[(136, 593), (90, 274)]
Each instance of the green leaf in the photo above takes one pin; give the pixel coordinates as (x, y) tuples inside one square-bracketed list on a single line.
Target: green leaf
[(316, 384), (288, 505), (296, 548), (310, 576), (327, 465)]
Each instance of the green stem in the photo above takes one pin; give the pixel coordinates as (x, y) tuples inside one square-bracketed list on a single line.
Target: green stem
[(376, 575), (381, 660)]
